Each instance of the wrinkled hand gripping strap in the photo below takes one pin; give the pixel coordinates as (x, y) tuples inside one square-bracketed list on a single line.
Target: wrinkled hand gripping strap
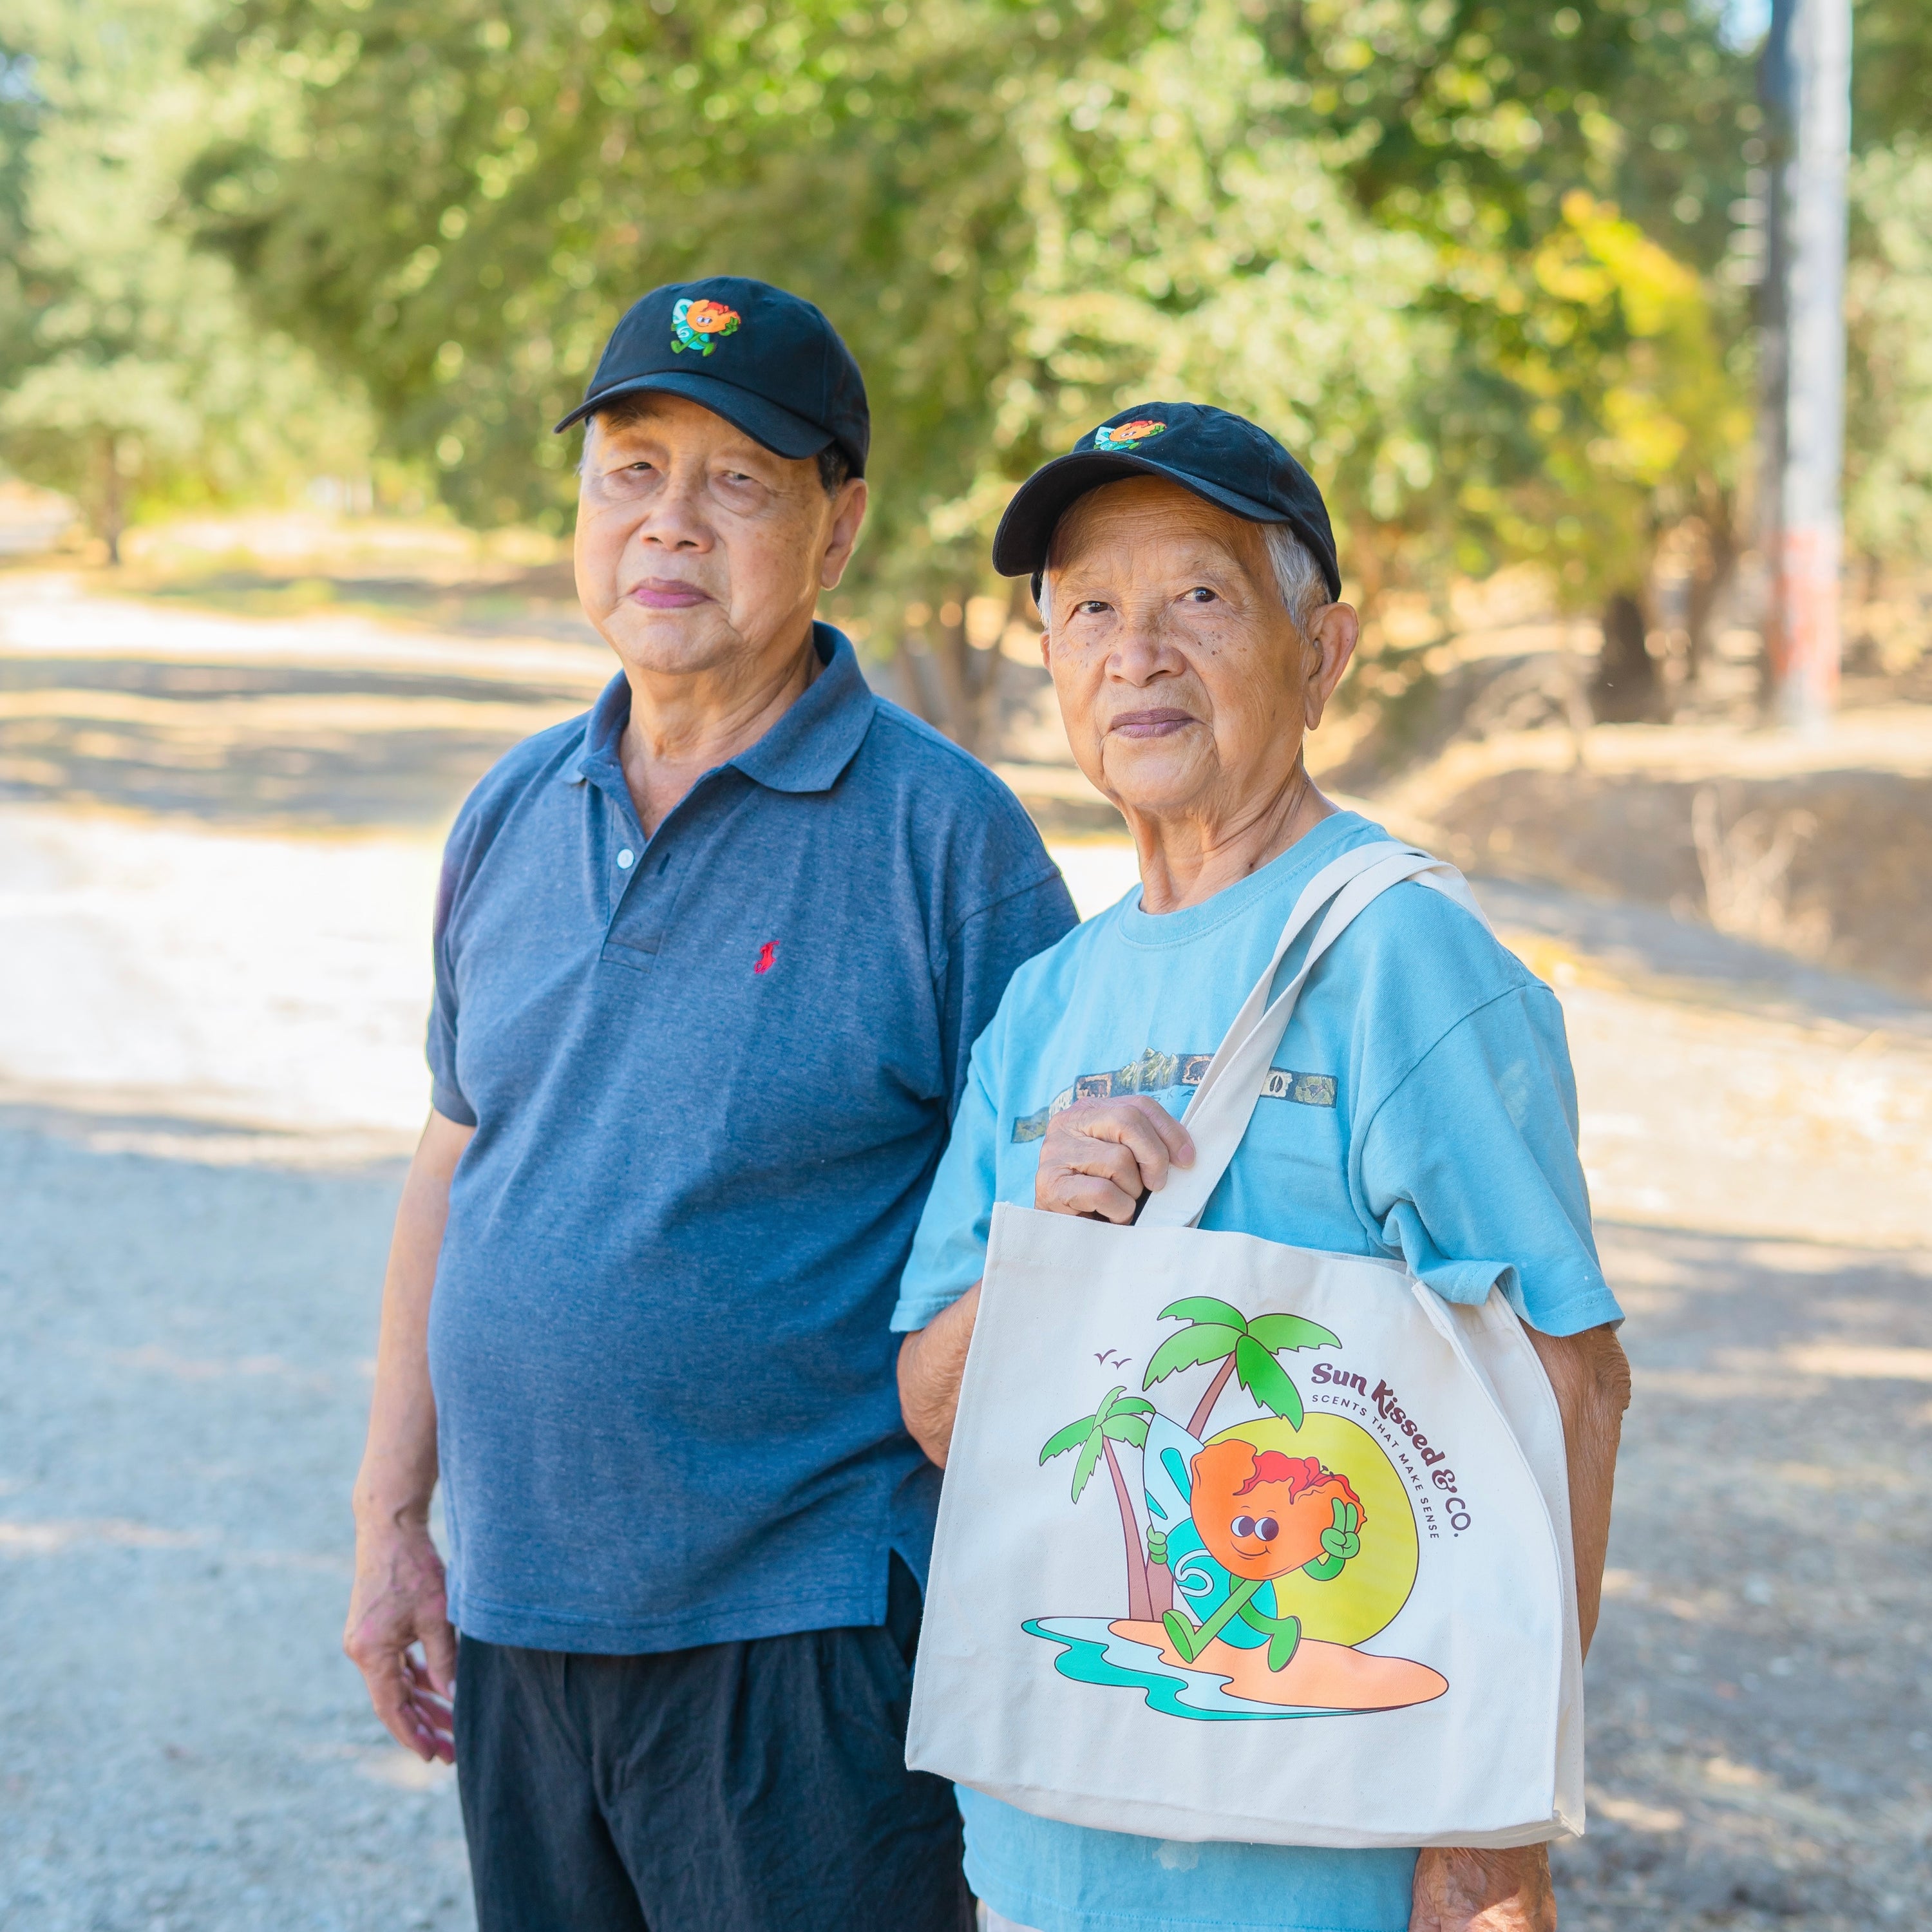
[(1217, 1117)]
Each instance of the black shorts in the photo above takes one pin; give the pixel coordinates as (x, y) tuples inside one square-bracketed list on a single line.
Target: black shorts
[(758, 1786)]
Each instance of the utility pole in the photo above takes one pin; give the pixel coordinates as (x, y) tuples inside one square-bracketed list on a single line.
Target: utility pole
[(1804, 77)]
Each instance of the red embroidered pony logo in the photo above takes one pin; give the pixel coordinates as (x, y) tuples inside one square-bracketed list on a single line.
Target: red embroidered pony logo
[(768, 953)]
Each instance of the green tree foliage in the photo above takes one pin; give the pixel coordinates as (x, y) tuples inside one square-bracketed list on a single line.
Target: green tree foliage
[(1216, 1332), (130, 367), (1889, 292), (1891, 70), (473, 194), (1189, 237), (1393, 232), (1568, 166), (1120, 1417), (19, 121), (1359, 220), (1888, 296)]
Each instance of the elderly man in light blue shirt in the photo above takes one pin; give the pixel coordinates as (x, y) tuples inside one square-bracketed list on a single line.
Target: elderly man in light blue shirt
[(1425, 1108)]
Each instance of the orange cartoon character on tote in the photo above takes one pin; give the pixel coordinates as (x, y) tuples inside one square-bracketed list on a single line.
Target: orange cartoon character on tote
[(1263, 1514), (1274, 1550)]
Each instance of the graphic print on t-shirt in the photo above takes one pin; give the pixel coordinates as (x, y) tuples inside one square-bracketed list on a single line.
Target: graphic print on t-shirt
[(1276, 1547), (1155, 1072)]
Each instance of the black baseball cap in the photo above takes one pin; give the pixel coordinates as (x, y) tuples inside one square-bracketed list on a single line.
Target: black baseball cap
[(1218, 455), (764, 359)]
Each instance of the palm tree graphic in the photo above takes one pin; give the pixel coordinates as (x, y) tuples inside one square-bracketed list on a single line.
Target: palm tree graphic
[(1217, 1332), (1120, 1417)]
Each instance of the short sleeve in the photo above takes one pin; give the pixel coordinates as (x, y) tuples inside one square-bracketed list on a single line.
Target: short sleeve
[(949, 1251), (446, 1094), (1469, 1168), (988, 948)]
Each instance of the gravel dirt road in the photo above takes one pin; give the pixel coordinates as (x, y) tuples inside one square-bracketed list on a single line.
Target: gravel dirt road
[(209, 1068), (186, 1346)]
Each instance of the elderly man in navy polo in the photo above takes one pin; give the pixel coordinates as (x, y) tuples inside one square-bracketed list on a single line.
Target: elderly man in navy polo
[(708, 964)]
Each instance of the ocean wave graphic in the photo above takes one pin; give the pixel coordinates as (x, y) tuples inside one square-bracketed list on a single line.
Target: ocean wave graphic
[(1092, 1653)]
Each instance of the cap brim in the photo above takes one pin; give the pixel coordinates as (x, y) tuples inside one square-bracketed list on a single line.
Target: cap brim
[(1021, 543), (778, 429)]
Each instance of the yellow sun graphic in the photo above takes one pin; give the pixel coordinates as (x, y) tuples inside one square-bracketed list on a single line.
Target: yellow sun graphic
[(1365, 1598)]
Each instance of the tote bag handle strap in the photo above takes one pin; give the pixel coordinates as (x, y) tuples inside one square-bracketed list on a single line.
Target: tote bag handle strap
[(1217, 1117)]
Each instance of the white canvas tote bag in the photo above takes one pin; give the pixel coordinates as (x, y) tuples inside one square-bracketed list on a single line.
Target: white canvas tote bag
[(1244, 1541)]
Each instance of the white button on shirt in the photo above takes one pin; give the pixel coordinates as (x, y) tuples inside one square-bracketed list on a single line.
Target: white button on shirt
[(624, 859)]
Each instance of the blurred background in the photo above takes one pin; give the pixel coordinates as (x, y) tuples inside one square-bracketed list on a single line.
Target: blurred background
[(1603, 327)]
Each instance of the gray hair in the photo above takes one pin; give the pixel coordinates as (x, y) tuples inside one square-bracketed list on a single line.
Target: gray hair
[(1297, 577)]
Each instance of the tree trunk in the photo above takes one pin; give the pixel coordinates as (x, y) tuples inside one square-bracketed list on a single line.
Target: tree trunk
[(1197, 1422), (1160, 1590), (1626, 691), (1140, 1604), (949, 656), (913, 692), (1708, 588), (967, 678), (112, 516)]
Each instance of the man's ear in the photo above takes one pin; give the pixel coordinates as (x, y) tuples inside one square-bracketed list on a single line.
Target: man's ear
[(1332, 640), (848, 513)]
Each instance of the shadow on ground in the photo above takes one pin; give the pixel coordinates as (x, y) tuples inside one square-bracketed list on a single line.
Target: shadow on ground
[(538, 601), (1760, 1734), (234, 743)]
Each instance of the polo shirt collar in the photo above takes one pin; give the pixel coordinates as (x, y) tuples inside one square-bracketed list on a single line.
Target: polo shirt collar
[(807, 749), (597, 751)]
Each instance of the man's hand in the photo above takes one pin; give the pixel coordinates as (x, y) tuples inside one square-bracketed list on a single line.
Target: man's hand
[(1100, 1156), (1458, 1890), (396, 1600), (399, 1636), (932, 1360)]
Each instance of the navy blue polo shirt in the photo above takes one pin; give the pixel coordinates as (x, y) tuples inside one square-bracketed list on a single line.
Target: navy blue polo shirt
[(711, 1074)]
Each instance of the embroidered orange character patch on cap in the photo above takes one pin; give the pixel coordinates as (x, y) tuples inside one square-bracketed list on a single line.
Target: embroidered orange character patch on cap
[(1124, 435), (701, 325)]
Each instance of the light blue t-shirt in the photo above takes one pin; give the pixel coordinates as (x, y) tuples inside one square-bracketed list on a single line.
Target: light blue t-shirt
[(1427, 1110)]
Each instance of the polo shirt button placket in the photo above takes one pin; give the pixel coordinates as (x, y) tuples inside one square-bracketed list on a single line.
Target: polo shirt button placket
[(640, 891)]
